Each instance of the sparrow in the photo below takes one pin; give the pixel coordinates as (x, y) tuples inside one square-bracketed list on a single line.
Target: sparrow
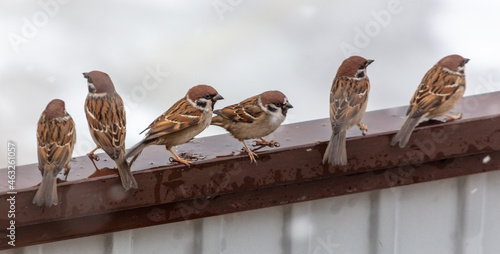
[(107, 123), (348, 100), (255, 117), (187, 118), (56, 137), (440, 89)]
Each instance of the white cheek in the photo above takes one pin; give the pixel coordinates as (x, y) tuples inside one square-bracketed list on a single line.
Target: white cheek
[(208, 106), (91, 86), (277, 117), (461, 69)]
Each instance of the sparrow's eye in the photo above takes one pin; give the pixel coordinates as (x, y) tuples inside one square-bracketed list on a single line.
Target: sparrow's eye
[(277, 104), (208, 97)]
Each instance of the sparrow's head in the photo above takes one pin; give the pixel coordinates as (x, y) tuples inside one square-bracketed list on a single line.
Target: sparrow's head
[(99, 82), (203, 97), (55, 110), (454, 63), (274, 102), (354, 67)]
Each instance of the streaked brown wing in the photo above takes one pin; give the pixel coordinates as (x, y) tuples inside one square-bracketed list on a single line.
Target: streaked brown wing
[(107, 120), (436, 87), (246, 111), (347, 98), (56, 141), (180, 116)]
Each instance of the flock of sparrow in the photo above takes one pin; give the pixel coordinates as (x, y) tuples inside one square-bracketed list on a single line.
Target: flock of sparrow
[(254, 118)]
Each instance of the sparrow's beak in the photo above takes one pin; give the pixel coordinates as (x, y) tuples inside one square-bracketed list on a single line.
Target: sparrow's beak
[(368, 62), (86, 75), (287, 105), (218, 97), (466, 60)]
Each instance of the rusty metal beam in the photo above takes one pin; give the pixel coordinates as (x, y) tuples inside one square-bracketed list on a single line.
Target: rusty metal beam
[(223, 181)]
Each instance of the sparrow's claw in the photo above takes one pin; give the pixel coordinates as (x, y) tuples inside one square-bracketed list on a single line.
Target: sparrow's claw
[(256, 143), (363, 128), (178, 159), (453, 117), (185, 162), (251, 154), (93, 157), (66, 172), (264, 142)]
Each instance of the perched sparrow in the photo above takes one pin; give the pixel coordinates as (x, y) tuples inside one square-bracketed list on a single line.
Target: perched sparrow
[(348, 99), (187, 118), (255, 117), (106, 118), (56, 137), (441, 88)]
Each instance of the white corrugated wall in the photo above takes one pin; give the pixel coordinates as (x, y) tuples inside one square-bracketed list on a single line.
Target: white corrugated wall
[(452, 216)]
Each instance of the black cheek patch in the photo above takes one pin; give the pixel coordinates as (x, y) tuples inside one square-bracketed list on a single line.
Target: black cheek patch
[(271, 108), (360, 74), (202, 104)]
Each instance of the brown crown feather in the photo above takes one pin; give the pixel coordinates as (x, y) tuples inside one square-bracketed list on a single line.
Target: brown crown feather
[(451, 62), (101, 81), (272, 97), (55, 109), (350, 66), (200, 91)]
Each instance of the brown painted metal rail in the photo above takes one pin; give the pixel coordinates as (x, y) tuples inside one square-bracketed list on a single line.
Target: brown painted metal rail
[(223, 180)]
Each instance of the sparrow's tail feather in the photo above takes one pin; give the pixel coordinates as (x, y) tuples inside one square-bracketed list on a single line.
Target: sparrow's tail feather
[(217, 121), (404, 133), (336, 153), (136, 151), (47, 192), (128, 180)]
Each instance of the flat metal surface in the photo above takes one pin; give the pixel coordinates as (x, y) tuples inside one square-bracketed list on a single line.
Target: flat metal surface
[(223, 180)]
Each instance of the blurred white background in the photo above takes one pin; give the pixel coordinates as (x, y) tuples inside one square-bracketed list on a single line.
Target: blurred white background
[(155, 51)]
